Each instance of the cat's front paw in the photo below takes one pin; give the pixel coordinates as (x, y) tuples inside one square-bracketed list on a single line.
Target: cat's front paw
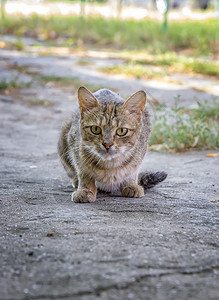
[(132, 191), (83, 196)]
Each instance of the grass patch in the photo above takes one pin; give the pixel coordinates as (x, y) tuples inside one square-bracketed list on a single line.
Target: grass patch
[(178, 63), (71, 83), (19, 68), (180, 129), (199, 36), (68, 82), (207, 68), (60, 81), (134, 70), (39, 102), (4, 84), (18, 44), (168, 63), (12, 84), (84, 62)]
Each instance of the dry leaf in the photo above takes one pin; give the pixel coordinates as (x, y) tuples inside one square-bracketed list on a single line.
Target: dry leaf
[(211, 154), (2, 44), (159, 147), (195, 141)]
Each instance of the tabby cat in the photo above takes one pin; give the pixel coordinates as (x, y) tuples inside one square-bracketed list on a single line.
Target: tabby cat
[(103, 146)]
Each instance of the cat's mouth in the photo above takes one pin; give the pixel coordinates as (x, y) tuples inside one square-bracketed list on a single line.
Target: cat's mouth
[(108, 154), (112, 153)]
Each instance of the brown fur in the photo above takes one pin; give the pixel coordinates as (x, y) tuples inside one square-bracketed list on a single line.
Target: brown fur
[(106, 160)]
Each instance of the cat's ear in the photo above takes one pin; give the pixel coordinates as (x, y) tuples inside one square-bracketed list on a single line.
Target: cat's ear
[(136, 103), (86, 99)]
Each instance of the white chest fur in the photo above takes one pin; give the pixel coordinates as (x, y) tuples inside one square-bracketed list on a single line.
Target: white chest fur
[(110, 180)]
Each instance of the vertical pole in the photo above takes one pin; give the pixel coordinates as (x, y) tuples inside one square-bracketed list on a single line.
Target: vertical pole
[(216, 9), (3, 9), (165, 16), (119, 8), (82, 7)]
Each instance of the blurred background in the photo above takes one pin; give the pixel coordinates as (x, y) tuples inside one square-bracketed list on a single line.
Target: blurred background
[(121, 24), (168, 48), (137, 9)]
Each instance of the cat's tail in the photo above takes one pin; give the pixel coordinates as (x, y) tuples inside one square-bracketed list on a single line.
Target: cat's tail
[(149, 179)]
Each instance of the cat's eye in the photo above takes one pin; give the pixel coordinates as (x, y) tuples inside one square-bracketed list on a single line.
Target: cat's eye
[(121, 131), (95, 129)]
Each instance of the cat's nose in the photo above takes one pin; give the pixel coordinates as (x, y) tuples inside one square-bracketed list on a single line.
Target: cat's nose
[(107, 145)]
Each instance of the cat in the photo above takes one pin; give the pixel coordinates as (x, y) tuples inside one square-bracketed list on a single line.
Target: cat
[(103, 145)]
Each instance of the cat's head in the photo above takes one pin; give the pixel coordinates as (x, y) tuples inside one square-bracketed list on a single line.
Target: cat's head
[(110, 126)]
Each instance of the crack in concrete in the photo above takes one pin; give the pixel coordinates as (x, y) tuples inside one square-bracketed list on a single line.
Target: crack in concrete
[(119, 286)]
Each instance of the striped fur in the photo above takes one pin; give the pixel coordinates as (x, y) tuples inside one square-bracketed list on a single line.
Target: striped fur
[(85, 158)]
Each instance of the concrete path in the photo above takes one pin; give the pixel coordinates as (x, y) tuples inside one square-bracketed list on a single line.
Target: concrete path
[(189, 88), (162, 246)]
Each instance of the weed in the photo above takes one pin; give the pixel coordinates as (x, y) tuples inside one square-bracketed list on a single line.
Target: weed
[(208, 68), (12, 84), (39, 102), (19, 68), (179, 63), (133, 70), (18, 44), (199, 36), (169, 62), (84, 62), (54, 78), (4, 85), (73, 82), (181, 129)]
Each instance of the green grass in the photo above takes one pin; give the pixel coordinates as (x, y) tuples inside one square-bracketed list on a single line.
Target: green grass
[(168, 62), (199, 36), (180, 129), (39, 102), (134, 70), (19, 68), (69, 82), (57, 79), (18, 44), (61, 82), (84, 62), (12, 84), (179, 63), (208, 68), (4, 85)]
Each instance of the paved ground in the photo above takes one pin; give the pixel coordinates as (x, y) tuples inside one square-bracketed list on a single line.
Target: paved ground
[(85, 66), (162, 246)]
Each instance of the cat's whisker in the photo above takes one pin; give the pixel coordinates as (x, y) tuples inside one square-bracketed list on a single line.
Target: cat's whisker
[(65, 152), (82, 149)]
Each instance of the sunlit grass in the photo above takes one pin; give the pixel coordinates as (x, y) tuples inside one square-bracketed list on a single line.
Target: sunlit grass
[(168, 62), (180, 129), (179, 63), (67, 82), (39, 102), (12, 84), (57, 79), (134, 70), (199, 36), (84, 62)]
